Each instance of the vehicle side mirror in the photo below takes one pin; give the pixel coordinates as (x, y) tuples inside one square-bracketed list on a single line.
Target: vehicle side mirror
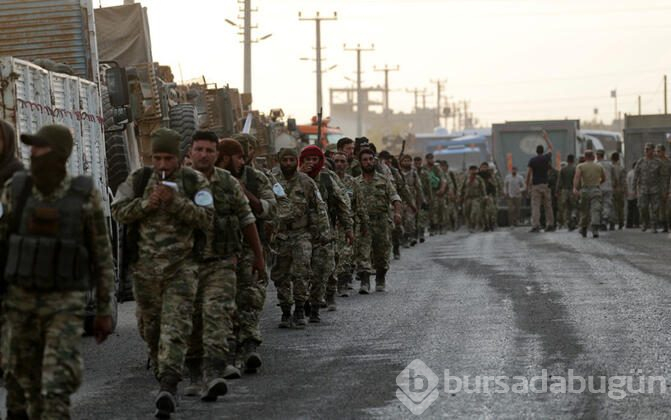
[(117, 86)]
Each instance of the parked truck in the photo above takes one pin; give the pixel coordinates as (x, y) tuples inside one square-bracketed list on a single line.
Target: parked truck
[(641, 129)]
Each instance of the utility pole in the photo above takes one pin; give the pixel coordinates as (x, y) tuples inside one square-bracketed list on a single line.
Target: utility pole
[(359, 96), (415, 93), (665, 97), (639, 104), (613, 94), (318, 48), (424, 94), (439, 90), (386, 71)]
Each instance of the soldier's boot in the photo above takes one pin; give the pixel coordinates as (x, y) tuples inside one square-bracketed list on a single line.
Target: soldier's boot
[(231, 370), (314, 314), (166, 399), (194, 368), (298, 320), (252, 357), (595, 231), (380, 280), (583, 232), (364, 277), (214, 384), (285, 322), (331, 302), (397, 252), (343, 284)]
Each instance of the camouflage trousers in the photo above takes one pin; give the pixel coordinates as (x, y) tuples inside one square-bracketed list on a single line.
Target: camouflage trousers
[(568, 204), (472, 211), (663, 213), (488, 212), (380, 234), (40, 345), (648, 207), (249, 299), (438, 213), (323, 266), (452, 215), (344, 253), (618, 207), (607, 212), (590, 207), (422, 222), (291, 272), (362, 249), (409, 224), (213, 312), (165, 294)]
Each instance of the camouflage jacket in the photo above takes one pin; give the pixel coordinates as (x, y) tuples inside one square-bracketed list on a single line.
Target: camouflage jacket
[(166, 233), (426, 185), (436, 177), (354, 168), (308, 208), (647, 176), (414, 185), (665, 173), (336, 199), (401, 186), (357, 201), (473, 189), (379, 194), (99, 248)]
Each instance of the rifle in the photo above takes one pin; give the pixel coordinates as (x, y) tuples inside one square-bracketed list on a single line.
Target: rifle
[(319, 128)]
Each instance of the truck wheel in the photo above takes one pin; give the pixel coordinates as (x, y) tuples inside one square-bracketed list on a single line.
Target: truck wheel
[(184, 121), (117, 161)]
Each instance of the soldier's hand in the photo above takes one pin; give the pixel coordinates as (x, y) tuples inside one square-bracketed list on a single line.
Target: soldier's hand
[(102, 327), (259, 265), (397, 219), (166, 194), (154, 199), (306, 167), (350, 237)]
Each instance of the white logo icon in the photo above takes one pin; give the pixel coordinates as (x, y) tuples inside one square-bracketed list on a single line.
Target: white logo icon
[(417, 387)]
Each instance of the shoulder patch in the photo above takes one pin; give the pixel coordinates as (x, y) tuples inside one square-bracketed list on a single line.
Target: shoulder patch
[(278, 190), (203, 198)]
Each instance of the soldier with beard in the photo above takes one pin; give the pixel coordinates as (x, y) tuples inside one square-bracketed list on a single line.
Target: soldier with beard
[(345, 250), (168, 206), (414, 186), (214, 307), (647, 173), (380, 196), (311, 162), (266, 197), (48, 219), (423, 213), (472, 193), (297, 231)]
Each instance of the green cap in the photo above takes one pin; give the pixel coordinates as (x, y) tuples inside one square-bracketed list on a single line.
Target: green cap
[(56, 136), (245, 141), (165, 140), (286, 151)]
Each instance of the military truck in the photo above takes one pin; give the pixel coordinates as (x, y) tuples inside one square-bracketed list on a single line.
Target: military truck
[(641, 129)]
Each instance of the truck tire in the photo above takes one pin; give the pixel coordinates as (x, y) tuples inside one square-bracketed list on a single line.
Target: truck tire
[(183, 120), (117, 160)]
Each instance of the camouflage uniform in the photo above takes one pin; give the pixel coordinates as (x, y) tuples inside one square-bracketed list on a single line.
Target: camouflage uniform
[(437, 209), (590, 196), (647, 174), (619, 193), (488, 202), (472, 193), (345, 251), (354, 169), (380, 194), (42, 330), (294, 239), (165, 277), (406, 198), (607, 213), (451, 194), (414, 186), (663, 213), (215, 303), (567, 200), (323, 254), (423, 218)]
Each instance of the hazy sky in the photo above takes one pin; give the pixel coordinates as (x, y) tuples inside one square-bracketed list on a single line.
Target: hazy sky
[(512, 59)]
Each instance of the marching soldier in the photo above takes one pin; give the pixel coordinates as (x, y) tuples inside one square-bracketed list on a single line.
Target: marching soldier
[(472, 192), (647, 175), (589, 175)]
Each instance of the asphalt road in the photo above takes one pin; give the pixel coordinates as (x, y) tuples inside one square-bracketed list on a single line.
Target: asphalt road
[(508, 304)]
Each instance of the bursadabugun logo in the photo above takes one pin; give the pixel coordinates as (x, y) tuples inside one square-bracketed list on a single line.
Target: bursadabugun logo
[(417, 387)]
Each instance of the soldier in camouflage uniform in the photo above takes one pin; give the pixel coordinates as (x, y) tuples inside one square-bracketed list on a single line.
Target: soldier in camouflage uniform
[(345, 250), (589, 176), (380, 195), (414, 185), (266, 198), (311, 162), (647, 174), (473, 191), (607, 187), (214, 308), (663, 215), (438, 185), (567, 204), (56, 219), (423, 212), (489, 200), (407, 198), (297, 231), (163, 205), (620, 190), (451, 194)]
